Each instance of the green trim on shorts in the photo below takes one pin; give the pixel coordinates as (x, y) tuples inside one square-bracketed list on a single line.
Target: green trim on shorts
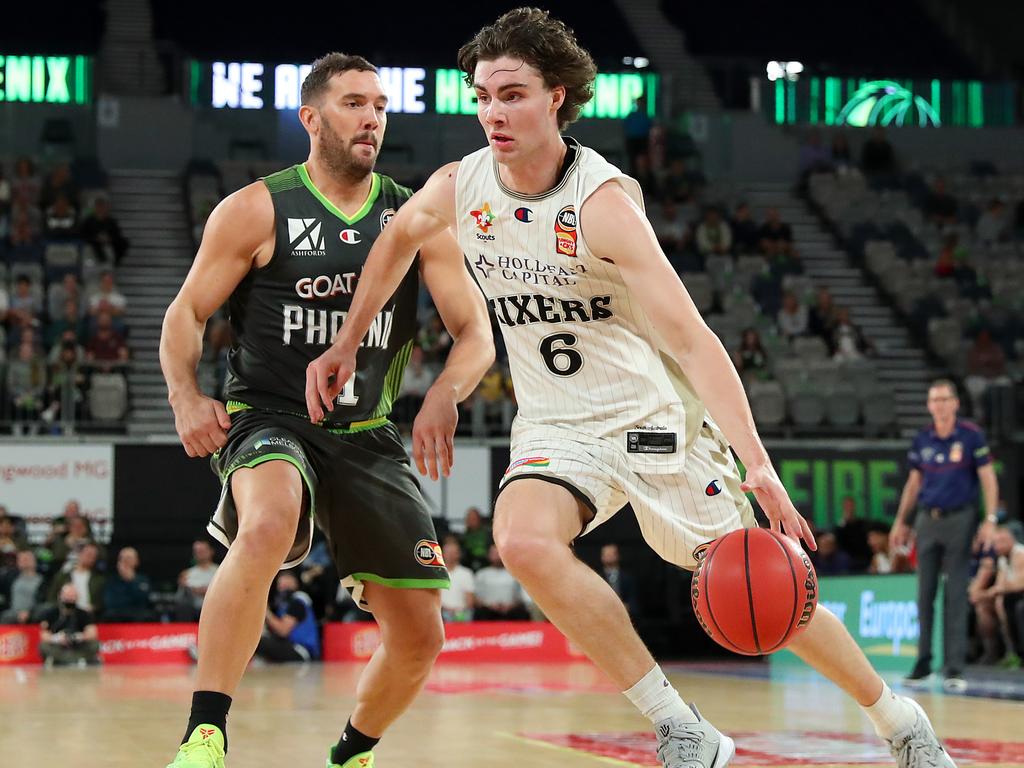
[(402, 583), (277, 457), (359, 426), (234, 406)]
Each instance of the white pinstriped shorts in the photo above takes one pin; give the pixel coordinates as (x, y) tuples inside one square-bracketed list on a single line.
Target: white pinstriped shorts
[(677, 512)]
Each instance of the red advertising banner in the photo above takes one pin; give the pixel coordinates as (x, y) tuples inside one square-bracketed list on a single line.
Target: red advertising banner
[(19, 644), (512, 641), (147, 643)]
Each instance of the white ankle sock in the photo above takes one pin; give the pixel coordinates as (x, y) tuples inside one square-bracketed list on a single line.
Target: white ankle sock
[(655, 697), (890, 714)]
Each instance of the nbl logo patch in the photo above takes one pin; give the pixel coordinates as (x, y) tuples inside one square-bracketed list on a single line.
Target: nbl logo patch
[(306, 238), (565, 231), (428, 553)]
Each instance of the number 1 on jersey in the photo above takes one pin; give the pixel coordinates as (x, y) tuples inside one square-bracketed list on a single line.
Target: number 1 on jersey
[(348, 395)]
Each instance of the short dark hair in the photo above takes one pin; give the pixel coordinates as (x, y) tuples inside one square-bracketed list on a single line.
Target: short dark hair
[(948, 383), (544, 43), (326, 67)]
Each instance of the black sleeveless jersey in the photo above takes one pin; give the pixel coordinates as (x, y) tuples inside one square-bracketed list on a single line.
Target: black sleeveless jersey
[(288, 312)]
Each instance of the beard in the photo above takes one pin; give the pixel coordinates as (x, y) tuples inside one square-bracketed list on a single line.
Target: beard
[(339, 158)]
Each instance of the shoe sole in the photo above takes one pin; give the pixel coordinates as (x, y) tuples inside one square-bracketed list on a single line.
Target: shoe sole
[(919, 682), (726, 752), (924, 716)]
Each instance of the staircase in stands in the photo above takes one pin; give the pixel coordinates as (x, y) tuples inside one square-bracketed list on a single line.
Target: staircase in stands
[(150, 208), (902, 365)]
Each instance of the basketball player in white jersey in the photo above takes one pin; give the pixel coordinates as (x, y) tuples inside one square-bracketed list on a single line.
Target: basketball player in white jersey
[(599, 330)]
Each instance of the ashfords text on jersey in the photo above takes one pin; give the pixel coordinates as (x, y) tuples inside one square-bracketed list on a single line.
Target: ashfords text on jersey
[(320, 326)]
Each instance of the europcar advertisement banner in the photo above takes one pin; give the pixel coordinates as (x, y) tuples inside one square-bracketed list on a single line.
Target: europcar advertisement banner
[(880, 613), (36, 481)]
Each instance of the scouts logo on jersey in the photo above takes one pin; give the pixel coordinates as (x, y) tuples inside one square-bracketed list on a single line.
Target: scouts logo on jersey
[(529, 461), (524, 215), (385, 217), (305, 237), (484, 217), (428, 553), (565, 231), (956, 453)]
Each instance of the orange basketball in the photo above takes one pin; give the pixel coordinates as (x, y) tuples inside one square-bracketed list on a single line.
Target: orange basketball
[(753, 590)]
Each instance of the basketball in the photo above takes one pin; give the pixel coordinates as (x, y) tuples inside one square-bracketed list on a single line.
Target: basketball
[(754, 590)]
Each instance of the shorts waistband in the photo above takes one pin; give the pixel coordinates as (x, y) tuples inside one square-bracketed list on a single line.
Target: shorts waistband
[(341, 428), (937, 513)]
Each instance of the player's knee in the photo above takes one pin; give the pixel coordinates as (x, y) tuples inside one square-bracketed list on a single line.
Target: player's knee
[(526, 554), (417, 646), (266, 535)]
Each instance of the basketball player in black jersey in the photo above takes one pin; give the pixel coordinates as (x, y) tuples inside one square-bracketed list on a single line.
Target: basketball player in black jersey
[(286, 254)]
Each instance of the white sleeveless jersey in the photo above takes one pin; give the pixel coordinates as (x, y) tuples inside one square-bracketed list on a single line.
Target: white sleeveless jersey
[(582, 352)]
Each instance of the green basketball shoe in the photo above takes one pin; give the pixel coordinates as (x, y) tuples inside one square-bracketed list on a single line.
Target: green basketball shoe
[(204, 749), (362, 760)]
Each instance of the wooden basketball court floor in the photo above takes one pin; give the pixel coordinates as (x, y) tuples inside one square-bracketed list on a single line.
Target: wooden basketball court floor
[(500, 716)]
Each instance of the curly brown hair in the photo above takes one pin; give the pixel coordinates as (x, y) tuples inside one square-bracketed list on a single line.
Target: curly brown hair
[(544, 43), (326, 67)]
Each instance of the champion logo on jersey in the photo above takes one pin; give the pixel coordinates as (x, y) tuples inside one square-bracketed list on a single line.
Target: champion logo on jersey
[(385, 217), (524, 215), (713, 488), (565, 231), (529, 461), (484, 217), (306, 237), (350, 236)]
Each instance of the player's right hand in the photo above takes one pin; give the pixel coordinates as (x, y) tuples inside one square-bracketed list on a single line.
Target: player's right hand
[(899, 536), (202, 424), (325, 377), (777, 506)]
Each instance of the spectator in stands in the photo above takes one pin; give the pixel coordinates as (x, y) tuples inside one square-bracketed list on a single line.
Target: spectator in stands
[(792, 319), (126, 593), (11, 540), (106, 348), (751, 359), (67, 546), (842, 159), (61, 221), (499, 597), (986, 619), (67, 632), (193, 582), (25, 309), (26, 383), (476, 540), (745, 233), (491, 401), (102, 233), (986, 365), (23, 238), (5, 306), (88, 582), (1000, 607), (852, 535), (646, 177), (883, 559), (68, 337), (107, 298), (418, 378), (637, 127), (291, 632), (59, 184), (877, 158), (848, 342), (621, 582), (713, 234), (435, 340), (65, 391), (25, 592), (829, 559), (776, 231), (679, 183), (814, 158), (672, 231), (994, 224), (25, 184), (940, 207), (457, 601), (67, 321)]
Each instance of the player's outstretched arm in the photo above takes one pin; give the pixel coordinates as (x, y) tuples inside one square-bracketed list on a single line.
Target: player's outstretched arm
[(423, 216), (616, 229), (464, 313), (235, 231)]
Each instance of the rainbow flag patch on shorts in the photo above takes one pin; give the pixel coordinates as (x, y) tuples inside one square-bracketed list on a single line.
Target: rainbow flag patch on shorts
[(529, 461)]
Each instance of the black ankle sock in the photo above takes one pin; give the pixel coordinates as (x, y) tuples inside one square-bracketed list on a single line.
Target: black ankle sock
[(351, 743), (209, 707)]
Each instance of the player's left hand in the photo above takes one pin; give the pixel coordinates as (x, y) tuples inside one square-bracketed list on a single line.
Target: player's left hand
[(433, 432), (771, 495)]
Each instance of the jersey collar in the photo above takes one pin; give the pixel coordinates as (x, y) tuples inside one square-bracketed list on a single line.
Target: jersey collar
[(370, 198), (572, 159)]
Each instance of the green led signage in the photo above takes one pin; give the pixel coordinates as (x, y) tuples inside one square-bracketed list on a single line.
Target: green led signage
[(860, 103), (46, 79)]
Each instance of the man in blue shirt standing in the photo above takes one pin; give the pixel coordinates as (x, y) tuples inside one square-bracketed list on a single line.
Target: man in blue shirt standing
[(940, 500)]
